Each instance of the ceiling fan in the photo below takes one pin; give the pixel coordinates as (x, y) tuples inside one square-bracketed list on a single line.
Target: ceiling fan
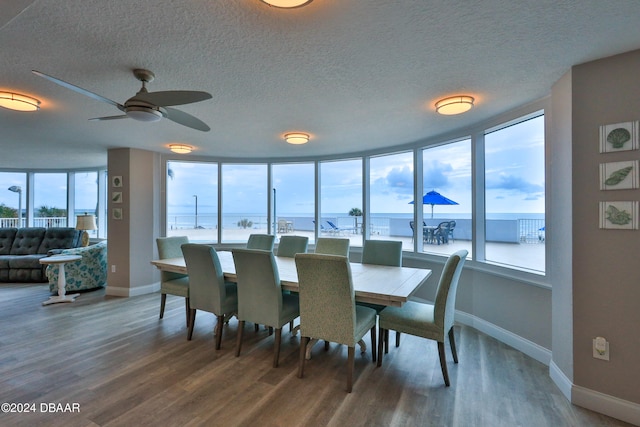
[(147, 106)]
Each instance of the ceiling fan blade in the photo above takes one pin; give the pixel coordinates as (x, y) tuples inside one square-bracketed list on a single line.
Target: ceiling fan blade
[(173, 97), (186, 119), (124, 116), (78, 89)]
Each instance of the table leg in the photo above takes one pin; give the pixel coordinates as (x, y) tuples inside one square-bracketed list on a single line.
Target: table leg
[(62, 283)]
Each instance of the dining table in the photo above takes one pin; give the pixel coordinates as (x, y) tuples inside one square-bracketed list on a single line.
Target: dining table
[(374, 284)]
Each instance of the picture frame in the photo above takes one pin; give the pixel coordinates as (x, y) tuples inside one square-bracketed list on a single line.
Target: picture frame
[(116, 197), (116, 181), (117, 213), (619, 215), (619, 175), (619, 137)]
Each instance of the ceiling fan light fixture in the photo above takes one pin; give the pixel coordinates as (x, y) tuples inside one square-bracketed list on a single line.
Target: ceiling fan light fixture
[(287, 4), (296, 138), (180, 148), (143, 114), (18, 102), (454, 105)]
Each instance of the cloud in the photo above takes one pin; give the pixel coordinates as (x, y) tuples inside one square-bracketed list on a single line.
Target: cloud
[(436, 174), (516, 184)]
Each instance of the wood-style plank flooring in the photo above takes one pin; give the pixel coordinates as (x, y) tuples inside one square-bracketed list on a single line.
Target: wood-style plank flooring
[(125, 367)]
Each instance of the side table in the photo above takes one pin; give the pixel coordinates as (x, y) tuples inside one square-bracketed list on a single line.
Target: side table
[(61, 260)]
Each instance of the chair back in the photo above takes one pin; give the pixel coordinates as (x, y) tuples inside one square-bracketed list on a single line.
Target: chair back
[(445, 301), (332, 246), (327, 298), (261, 241), (259, 290), (382, 252), (289, 246), (206, 279), (170, 247)]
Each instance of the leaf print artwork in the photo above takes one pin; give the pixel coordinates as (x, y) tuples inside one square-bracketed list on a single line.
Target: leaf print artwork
[(617, 216), (618, 176)]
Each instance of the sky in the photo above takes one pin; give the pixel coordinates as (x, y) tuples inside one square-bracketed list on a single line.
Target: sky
[(514, 174)]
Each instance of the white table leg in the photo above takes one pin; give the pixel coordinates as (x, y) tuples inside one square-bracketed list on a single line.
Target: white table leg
[(62, 283)]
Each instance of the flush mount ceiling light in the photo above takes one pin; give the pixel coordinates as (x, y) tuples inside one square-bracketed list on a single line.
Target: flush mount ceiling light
[(296, 138), (287, 4), (454, 105), (15, 101), (180, 148)]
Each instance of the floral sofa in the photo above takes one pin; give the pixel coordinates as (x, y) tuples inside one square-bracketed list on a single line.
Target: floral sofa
[(88, 273), (22, 248)]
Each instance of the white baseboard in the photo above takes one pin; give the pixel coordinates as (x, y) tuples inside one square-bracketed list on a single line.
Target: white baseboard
[(132, 292), (529, 348), (561, 380), (608, 405)]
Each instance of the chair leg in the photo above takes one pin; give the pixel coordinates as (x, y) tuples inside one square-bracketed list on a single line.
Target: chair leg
[(326, 346), (303, 350), (380, 345), (373, 343), (452, 343), (192, 321), (219, 325), (443, 363), (256, 327), (163, 302), (239, 337), (397, 339), (276, 347), (291, 326), (186, 307), (386, 341), (350, 365)]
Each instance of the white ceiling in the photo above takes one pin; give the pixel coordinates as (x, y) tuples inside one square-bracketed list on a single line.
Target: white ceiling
[(355, 75)]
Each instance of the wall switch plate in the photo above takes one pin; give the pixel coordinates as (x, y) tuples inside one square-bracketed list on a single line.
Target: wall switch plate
[(113, 268), (600, 348)]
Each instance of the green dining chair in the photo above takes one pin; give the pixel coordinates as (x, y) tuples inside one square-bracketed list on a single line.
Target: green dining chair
[(431, 321), (382, 252), (261, 241), (332, 246), (172, 283), (328, 310), (289, 246), (260, 296), (208, 291)]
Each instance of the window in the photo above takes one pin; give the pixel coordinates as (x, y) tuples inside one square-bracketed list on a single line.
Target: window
[(50, 200), (391, 195), (13, 193), (514, 195), (86, 197), (244, 201), (192, 200), (446, 181), (294, 198), (341, 199)]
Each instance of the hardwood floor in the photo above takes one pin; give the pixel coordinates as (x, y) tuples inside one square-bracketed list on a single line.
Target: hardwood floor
[(123, 366)]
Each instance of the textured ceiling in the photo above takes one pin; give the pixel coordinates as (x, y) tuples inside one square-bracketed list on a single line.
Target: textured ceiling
[(355, 75)]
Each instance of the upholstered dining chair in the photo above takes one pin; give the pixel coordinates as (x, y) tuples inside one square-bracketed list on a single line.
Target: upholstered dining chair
[(261, 241), (289, 246), (327, 307), (332, 246), (172, 283), (260, 296), (382, 252), (431, 321), (208, 290)]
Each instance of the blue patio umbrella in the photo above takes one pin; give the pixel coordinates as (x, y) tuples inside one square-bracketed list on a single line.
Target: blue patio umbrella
[(434, 198)]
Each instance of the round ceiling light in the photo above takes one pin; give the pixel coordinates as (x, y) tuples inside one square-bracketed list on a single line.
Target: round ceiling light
[(180, 148), (18, 102), (287, 4), (454, 105), (296, 138)]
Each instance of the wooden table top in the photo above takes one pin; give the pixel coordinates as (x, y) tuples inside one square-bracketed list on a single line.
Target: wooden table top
[(376, 284)]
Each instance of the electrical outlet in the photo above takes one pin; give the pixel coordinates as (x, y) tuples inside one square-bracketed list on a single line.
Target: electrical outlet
[(600, 348), (113, 268)]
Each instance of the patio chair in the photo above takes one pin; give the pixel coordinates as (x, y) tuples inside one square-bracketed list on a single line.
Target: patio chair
[(334, 228), (441, 233), (452, 225)]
